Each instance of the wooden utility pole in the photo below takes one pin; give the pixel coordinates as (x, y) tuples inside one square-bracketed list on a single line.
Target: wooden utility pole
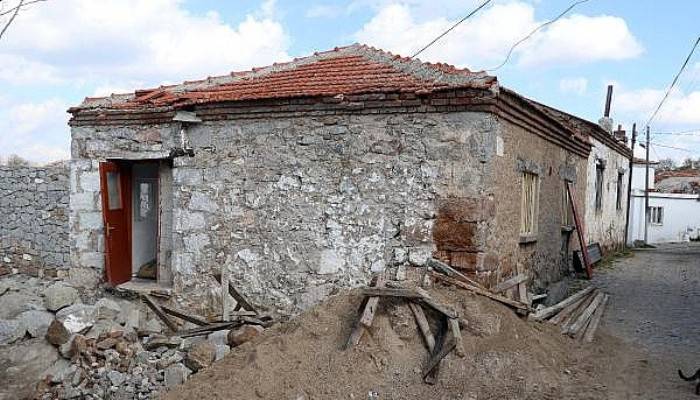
[(646, 194), (629, 183)]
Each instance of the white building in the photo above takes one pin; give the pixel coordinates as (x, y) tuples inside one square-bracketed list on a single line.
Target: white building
[(673, 217)]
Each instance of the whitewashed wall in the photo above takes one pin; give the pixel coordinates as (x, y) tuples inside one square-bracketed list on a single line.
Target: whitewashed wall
[(638, 176), (606, 226), (681, 218)]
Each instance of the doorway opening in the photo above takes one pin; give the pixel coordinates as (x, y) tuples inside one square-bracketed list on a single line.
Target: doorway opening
[(136, 209)]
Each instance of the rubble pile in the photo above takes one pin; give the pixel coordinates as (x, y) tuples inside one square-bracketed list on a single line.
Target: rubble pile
[(54, 346)]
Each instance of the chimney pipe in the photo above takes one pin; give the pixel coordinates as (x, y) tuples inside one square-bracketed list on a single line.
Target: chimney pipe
[(608, 100)]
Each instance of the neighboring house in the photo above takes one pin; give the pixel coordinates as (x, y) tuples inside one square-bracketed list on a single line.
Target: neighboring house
[(673, 216), (678, 181), (309, 175)]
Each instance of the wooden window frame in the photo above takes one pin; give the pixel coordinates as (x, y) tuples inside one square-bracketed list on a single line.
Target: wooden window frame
[(529, 207)]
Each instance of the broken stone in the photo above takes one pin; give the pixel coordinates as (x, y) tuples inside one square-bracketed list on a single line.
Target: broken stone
[(157, 341), (200, 356), (219, 337), (11, 331), (243, 334), (77, 318), (23, 365), (66, 349), (61, 371), (176, 374), (59, 295), (107, 309), (57, 334), (36, 322), (14, 303), (106, 343), (116, 377), (221, 351)]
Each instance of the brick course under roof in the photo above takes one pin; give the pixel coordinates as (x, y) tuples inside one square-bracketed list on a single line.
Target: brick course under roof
[(355, 69)]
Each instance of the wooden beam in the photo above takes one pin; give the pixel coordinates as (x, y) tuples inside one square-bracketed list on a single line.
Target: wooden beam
[(159, 312), (440, 336), (562, 315), (449, 271), (585, 315), (442, 309), (423, 325), (579, 231), (509, 283), (391, 292), (368, 308), (457, 337), (240, 300), (549, 311), (483, 292), (571, 318), (205, 330), (435, 359), (184, 316), (595, 321)]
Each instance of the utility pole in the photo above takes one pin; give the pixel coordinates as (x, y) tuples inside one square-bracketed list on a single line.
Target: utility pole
[(629, 183), (646, 194)]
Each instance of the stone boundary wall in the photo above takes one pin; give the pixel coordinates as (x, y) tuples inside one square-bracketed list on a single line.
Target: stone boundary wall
[(34, 229)]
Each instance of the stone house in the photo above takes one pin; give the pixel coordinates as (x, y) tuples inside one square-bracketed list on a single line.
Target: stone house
[(309, 175)]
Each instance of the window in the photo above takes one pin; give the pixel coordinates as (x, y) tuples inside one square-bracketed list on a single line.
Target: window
[(529, 204), (656, 215), (567, 215), (599, 169), (114, 197), (620, 180)]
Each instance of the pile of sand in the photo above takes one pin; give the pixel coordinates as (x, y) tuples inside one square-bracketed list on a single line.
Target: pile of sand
[(507, 358)]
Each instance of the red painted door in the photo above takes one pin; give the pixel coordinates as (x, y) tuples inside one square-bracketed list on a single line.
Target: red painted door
[(115, 187)]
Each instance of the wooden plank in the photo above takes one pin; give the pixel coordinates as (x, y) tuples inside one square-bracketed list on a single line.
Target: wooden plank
[(159, 312), (436, 358), (585, 315), (205, 330), (457, 337), (368, 308), (509, 283), (184, 316), (242, 302), (483, 292), (391, 292), (423, 325), (449, 271), (579, 231), (567, 311), (566, 322), (224, 296), (440, 337), (551, 310), (595, 321)]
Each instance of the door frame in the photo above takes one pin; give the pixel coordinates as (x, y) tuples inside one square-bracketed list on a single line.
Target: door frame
[(124, 169), (156, 205)]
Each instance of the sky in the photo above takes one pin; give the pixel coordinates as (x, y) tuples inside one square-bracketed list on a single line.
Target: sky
[(57, 52)]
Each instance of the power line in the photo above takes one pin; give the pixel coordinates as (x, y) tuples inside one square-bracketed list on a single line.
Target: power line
[(510, 52), (694, 132), (672, 147), (675, 80), (451, 28)]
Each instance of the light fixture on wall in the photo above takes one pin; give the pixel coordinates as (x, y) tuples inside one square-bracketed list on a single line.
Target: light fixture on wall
[(186, 119)]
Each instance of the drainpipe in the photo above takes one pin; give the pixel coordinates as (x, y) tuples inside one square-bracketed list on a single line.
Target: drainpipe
[(629, 184)]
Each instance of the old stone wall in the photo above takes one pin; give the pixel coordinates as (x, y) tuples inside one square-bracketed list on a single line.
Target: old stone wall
[(294, 206), (34, 229), (607, 224), (545, 257)]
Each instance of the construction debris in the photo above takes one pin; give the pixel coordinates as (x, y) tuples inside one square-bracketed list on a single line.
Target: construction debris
[(518, 306), (578, 316), (416, 298)]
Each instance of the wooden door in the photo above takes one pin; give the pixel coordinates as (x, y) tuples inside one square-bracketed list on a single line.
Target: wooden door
[(116, 205)]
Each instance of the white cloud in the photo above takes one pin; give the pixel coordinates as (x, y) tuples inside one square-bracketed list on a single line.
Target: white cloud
[(577, 86), (581, 39), (484, 40), (36, 131), (681, 108), (123, 41)]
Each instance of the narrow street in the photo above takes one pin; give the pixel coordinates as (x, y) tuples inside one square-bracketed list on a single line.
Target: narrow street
[(655, 305)]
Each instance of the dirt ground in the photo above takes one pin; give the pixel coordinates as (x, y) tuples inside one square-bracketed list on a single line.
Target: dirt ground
[(507, 358)]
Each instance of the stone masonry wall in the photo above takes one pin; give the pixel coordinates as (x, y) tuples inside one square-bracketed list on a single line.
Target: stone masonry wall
[(607, 225), (296, 207), (34, 229), (546, 259)]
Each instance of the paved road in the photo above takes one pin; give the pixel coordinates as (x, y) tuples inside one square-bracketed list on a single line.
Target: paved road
[(655, 303)]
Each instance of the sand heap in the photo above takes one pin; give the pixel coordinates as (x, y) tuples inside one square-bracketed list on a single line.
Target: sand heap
[(506, 358)]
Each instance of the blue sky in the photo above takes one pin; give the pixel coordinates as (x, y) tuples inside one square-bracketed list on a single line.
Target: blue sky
[(59, 51)]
